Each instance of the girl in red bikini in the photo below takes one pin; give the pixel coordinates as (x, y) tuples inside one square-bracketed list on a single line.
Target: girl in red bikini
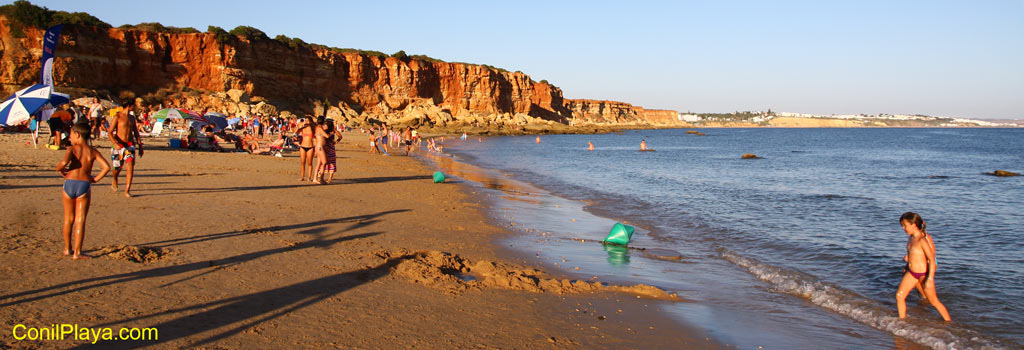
[(920, 270)]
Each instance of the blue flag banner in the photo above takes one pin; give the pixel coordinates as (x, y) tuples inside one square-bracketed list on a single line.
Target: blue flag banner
[(50, 40)]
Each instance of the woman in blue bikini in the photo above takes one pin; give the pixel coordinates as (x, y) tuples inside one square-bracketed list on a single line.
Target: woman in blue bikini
[(76, 168), (920, 270)]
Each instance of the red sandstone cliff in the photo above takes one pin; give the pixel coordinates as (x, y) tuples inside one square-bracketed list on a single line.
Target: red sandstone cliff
[(293, 78), (594, 112)]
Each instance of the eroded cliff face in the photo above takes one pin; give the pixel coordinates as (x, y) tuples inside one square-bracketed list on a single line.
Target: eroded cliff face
[(603, 113), (244, 73)]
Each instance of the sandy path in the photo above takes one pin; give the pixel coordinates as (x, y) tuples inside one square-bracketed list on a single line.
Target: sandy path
[(236, 253)]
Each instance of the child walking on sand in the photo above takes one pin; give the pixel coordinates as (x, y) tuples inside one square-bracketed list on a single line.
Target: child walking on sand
[(76, 168), (920, 257)]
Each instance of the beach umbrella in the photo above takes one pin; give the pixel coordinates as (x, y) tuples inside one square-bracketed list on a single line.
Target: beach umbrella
[(174, 113), (23, 103), (88, 102), (219, 123), (57, 99), (217, 114)]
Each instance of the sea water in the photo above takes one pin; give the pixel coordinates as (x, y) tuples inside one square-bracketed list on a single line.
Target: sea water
[(801, 248)]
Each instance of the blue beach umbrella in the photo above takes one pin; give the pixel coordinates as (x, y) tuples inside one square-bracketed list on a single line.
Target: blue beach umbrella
[(57, 99), (20, 106), (219, 123)]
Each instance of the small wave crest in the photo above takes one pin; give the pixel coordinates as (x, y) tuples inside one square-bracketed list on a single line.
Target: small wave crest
[(860, 308)]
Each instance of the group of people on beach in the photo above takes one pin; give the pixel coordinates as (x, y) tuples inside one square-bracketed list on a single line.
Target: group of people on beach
[(382, 138), (317, 139)]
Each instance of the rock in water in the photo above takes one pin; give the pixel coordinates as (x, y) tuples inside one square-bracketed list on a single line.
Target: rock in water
[(1003, 173), (694, 132), (749, 156)]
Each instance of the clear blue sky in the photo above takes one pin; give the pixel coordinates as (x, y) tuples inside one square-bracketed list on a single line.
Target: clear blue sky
[(950, 58)]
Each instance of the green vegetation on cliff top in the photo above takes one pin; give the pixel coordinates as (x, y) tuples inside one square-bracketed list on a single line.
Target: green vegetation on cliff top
[(23, 14), (158, 28)]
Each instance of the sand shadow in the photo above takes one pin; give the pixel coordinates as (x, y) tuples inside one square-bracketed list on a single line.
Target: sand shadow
[(173, 174), (320, 240), (361, 221), (57, 185), (18, 187), (365, 180), (243, 312), (200, 190), (381, 179)]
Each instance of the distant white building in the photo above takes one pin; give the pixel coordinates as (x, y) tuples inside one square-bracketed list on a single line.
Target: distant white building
[(794, 115), (689, 117)]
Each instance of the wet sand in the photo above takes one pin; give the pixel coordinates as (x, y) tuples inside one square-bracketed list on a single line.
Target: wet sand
[(225, 250)]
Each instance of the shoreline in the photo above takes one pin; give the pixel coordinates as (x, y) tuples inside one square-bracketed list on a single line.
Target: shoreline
[(531, 212), (260, 261), (596, 130)]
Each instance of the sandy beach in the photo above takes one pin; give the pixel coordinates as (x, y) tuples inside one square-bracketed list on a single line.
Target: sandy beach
[(229, 250)]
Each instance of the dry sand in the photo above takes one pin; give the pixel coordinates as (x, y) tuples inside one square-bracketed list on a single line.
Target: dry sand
[(229, 251)]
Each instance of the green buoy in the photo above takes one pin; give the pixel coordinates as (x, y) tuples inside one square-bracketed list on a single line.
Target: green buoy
[(620, 234)]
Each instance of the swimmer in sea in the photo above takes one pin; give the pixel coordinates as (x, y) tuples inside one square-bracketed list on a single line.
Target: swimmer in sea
[(590, 146), (920, 269)]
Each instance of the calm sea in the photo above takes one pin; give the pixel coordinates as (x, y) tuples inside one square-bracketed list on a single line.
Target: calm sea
[(799, 249)]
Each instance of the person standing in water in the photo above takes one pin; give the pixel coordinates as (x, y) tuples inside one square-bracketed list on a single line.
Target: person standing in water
[(124, 138), (643, 145), (590, 146), (920, 269), (76, 168), (383, 143), (407, 140)]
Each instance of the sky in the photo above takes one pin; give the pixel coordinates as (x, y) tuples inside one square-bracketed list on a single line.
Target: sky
[(941, 58)]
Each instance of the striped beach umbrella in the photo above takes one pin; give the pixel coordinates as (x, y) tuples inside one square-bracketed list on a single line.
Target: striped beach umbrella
[(88, 102), (20, 106), (174, 113)]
